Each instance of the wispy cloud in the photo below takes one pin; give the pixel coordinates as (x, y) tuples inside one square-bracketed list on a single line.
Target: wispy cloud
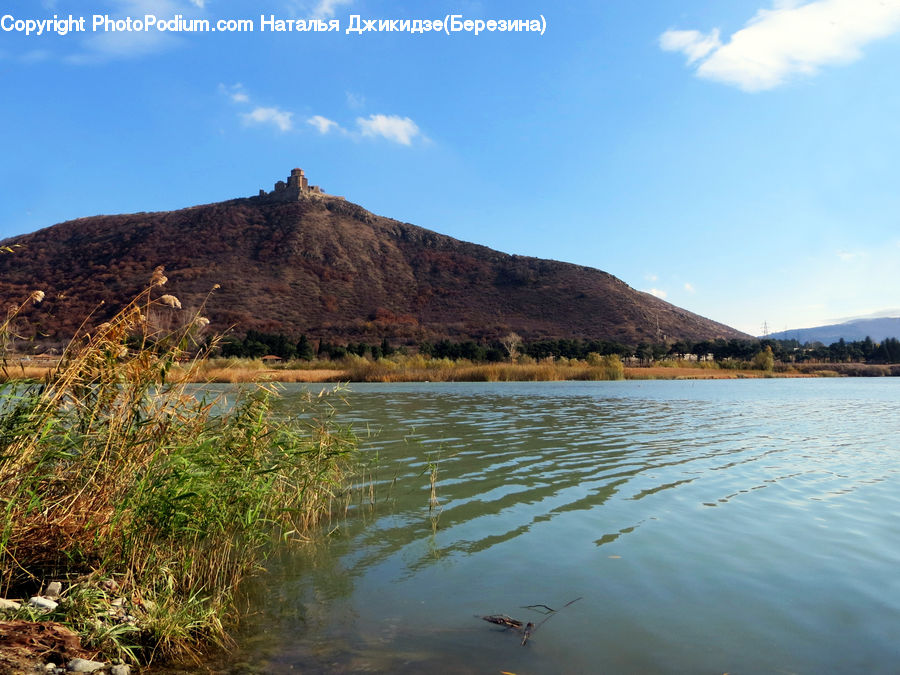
[(401, 130), (325, 9), (662, 295), (848, 256), (355, 101), (787, 40), (36, 56), (322, 124), (259, 115), (316, 9), (693, 43), (689, 287), (269, 115), (393, 128), (398, 129), (104, 46), (235, 92)]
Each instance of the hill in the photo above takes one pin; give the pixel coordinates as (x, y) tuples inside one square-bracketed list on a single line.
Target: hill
[(851, 331), (298, 261)]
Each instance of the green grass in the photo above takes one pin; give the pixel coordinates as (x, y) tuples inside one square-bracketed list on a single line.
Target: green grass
[(110, 471)]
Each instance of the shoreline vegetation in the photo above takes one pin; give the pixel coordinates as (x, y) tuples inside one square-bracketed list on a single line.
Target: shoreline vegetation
[(417, 368), (132, 507), (610, 367), (277, 357)]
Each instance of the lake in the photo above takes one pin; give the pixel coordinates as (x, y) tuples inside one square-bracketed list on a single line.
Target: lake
[(744, 526)]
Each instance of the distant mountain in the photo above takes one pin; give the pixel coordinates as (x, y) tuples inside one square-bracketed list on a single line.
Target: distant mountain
[(859, 329), (298, 261)]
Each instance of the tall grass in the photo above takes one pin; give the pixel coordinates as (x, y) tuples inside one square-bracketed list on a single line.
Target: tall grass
[(109, 467), (417, 368)]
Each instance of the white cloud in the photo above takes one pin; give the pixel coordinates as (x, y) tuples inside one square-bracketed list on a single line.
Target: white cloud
[(662, 295), (272, 115), (398, 129), (651, 277), (787, 40), (259, 115), (104, 46), (692, 42), (235, 92), (322, 124), (689, 287)]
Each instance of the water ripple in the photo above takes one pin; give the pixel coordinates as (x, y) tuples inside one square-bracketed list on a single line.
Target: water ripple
[(762, 508)]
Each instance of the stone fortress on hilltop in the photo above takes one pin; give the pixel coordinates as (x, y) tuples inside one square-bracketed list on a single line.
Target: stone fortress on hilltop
[(296, 188)]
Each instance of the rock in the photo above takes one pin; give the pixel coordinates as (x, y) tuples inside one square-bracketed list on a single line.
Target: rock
[(120, 670), (84, 666), (45, 604), (109, 585), (53, 590), (9, 604)]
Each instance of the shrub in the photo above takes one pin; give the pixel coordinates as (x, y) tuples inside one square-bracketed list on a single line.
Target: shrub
[(764, 360), (110, 468), (609, 367)]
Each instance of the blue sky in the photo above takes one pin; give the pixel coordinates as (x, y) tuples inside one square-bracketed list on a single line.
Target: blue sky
[(738, 159)]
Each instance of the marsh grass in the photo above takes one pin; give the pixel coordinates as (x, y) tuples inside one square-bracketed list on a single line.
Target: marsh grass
[(847, 369), (110, 468), (239, 375), (417, 368), (686, 363)]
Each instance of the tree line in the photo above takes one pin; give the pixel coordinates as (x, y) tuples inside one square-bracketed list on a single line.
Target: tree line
[(256, 344), (785, 351)]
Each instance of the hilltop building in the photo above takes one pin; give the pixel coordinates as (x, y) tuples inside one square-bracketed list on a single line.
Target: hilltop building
[(297, 187)]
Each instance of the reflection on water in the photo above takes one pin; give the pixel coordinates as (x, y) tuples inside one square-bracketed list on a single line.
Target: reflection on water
[(744, 526)]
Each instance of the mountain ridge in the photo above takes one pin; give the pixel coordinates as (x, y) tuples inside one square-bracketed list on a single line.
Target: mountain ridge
[(320, 265), (878, 329)]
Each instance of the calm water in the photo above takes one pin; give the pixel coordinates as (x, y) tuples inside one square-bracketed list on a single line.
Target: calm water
[(708, 527)]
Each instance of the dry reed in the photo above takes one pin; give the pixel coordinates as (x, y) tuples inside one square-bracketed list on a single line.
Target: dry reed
[(113, 468)]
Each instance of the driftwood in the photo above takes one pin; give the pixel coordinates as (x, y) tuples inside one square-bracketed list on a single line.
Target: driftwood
[(527, 629), (509, 622), (503, 620)]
